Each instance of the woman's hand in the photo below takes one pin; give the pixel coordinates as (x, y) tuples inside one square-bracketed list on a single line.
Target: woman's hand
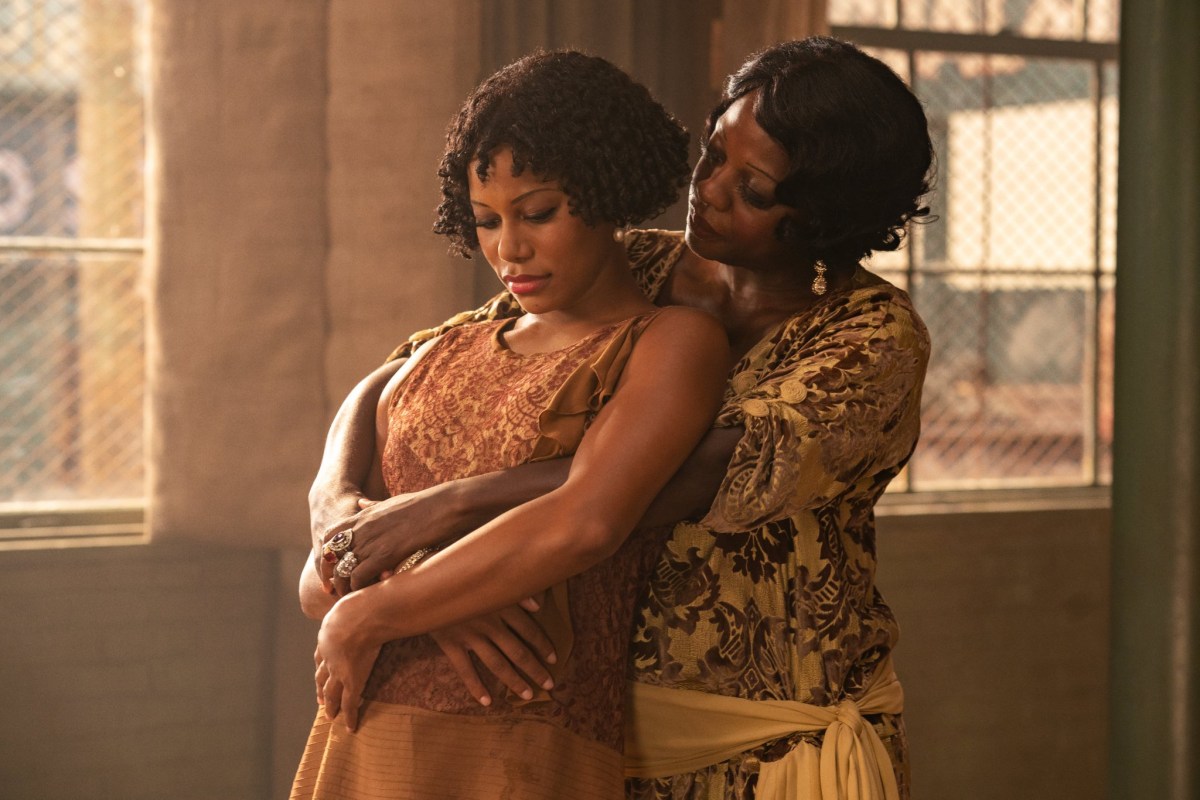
[(329, 510), (346, 464), (385, 532), (329, 513), (343, 658), (508, 643), (315, 596)]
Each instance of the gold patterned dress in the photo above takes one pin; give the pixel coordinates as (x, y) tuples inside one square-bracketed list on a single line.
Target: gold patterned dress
[(470, 406), (772, 596)]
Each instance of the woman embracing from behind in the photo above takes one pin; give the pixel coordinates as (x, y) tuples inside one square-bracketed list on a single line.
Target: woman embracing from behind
[(763, 644)]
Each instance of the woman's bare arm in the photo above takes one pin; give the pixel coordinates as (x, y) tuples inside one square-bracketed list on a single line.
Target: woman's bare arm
[(388, 531), (349, 451), (691, 490), (668, 395)]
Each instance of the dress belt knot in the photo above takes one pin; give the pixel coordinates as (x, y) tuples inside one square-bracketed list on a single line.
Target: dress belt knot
[(848, 714)]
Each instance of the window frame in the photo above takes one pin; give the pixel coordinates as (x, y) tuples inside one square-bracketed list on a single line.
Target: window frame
[(1099, 55), (32, 524), (95, 522)]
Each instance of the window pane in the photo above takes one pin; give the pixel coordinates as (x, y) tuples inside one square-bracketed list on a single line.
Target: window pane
[(1012, 396), (71, 312), (70, 120), (875, 13), (70, 378), (1008, 397), (1016, 146), (1103, 20), (1052, 19), (1035, 19), (957, 16), (1015, 274), (1108, 170)]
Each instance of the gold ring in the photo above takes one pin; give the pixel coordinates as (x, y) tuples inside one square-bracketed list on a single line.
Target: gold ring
[(338, 543)]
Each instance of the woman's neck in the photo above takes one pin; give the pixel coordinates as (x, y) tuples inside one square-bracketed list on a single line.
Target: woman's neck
[(748, 301), (614, 297), (782, 290)]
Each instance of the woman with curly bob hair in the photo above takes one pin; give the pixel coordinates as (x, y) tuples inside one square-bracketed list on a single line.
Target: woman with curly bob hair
[(620, 158), (760, 660), (534, 177)]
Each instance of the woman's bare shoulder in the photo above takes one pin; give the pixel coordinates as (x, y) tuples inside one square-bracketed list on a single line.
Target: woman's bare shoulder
[(681, 319), (683, 332)]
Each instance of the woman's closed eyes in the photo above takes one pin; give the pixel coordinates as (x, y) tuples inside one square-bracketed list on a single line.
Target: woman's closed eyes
[(535, 217), (713, 156)]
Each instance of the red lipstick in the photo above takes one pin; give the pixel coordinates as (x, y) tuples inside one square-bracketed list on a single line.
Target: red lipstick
[(697, 226), (525, 284)]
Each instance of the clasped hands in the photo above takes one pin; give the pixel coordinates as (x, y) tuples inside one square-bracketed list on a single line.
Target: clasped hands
[(381, 538), (510, 643)]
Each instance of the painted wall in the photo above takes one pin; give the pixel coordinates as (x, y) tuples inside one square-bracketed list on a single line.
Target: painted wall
[(138, 673), (1003, 653)]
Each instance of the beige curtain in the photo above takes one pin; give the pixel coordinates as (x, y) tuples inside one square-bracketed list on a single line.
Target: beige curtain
[(749, 25), (237, 244), (292, 188)]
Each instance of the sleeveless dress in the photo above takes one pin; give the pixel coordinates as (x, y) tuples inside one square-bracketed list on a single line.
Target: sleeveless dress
[(772, 594), (469, 406)]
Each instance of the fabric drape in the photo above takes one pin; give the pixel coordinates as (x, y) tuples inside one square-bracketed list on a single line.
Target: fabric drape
[(672, 731)]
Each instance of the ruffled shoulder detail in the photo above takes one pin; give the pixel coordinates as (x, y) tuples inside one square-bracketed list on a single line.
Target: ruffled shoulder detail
[(502, 306), (585, 391)]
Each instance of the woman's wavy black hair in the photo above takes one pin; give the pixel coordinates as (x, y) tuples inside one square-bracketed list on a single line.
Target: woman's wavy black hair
[(574, 118), (858, 142)]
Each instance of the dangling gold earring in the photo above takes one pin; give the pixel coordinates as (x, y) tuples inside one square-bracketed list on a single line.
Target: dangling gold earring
[(819, 286), (619, 235)]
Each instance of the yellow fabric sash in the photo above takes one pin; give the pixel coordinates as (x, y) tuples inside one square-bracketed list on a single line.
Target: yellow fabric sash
[(672, 731)]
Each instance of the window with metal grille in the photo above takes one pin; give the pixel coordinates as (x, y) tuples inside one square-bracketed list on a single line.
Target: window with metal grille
[(1015, 278), (71, 253)]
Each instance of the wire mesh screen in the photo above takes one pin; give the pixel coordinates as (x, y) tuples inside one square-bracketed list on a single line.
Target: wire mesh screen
[(1015, 277), (1068, 20), (71, 311)]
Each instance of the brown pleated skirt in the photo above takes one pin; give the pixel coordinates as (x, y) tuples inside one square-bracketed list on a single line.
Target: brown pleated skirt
[(406, 753)]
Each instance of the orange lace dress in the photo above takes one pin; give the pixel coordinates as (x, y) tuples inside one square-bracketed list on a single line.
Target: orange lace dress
[(470, 406)]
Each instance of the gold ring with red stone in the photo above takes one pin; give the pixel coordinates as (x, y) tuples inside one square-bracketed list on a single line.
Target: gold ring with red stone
[(339, 543)]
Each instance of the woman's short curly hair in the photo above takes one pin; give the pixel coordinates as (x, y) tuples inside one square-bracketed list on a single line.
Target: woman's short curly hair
[(574, 118), (858, 142)]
